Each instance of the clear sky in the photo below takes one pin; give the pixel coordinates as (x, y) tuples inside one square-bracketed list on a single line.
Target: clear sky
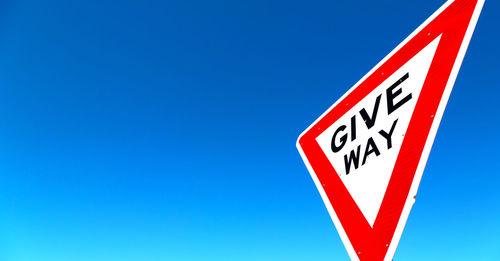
[(165, 130)]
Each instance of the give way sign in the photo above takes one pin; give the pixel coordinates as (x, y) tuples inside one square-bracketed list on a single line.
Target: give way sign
[(368, 151)]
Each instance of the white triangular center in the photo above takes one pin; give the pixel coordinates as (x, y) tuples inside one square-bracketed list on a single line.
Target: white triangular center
[(365, 147)]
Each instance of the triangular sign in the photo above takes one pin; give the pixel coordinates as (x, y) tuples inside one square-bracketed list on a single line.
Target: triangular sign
[(367, 152)]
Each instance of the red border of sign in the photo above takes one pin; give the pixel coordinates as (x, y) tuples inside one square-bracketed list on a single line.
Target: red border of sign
[(451, 22)]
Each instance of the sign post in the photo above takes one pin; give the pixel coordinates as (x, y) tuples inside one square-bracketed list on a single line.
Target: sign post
[(367, 152)]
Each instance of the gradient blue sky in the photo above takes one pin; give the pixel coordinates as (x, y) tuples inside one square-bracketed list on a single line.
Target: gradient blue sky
[(165, 130)]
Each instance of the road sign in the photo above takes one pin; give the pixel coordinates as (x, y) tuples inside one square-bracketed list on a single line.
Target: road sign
[(367, 152)]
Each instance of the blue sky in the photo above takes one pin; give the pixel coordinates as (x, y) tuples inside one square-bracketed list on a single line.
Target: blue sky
[(165, 130)]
